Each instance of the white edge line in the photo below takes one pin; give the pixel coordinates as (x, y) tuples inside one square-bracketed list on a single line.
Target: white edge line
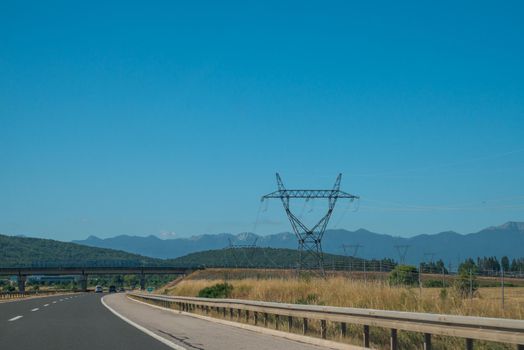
[(15, 318), (143, 329)]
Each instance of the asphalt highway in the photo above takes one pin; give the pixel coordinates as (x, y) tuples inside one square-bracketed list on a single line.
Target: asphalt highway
[(77, 321), (84, 321)]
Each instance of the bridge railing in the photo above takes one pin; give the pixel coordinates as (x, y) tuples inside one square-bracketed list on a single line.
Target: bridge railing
[(468, 327)]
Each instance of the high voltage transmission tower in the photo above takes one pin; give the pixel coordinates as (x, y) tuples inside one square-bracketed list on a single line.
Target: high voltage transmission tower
[(402, 250), (310, 256), (239, 252), (351, 250)]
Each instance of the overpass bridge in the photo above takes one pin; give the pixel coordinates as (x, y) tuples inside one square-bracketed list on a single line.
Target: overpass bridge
[(84, 272)]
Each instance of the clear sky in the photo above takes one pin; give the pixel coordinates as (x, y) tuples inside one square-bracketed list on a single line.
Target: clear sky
[(171, 118)]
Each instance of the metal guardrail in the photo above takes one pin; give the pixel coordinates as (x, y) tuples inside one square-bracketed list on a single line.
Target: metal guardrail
[(471, 328), (17, 295)]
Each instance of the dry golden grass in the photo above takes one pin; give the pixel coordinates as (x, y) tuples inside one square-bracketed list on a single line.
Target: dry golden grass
[(375, 294)]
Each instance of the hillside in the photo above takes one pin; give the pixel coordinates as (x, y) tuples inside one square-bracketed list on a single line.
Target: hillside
[(450, 246), (22, 251), (273, 258)]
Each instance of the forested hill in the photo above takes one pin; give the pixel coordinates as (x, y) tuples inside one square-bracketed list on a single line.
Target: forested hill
[(275, 258), (23, 251)]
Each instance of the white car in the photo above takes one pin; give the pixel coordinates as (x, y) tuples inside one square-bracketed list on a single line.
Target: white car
[(99, 289)]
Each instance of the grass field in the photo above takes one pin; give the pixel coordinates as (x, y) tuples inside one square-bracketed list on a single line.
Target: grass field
[(281, 286), (374, 293)]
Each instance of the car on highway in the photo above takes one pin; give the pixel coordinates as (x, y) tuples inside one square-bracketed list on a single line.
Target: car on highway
[(112, 289), (99, 289)]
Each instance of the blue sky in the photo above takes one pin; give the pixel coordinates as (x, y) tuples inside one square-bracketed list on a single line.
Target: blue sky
[(171, 118)]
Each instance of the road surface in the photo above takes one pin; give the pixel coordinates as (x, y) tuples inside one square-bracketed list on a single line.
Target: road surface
[(81, 321), (78, 321)]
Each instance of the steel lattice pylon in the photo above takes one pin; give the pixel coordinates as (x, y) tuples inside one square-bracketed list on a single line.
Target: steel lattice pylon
[(309, 239)]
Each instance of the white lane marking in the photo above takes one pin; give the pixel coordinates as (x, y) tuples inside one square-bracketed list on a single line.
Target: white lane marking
[(46, 305), (15, 318), (54, 302), (35, 309), (61, 300), (143, 329)]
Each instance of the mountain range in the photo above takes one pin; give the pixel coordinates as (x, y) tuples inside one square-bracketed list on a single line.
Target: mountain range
[(451, 247)]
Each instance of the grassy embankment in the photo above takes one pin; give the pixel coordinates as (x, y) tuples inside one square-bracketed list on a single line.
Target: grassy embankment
[(374, 293)]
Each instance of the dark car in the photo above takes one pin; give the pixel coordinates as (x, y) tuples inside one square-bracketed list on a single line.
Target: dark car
[(112, 289)]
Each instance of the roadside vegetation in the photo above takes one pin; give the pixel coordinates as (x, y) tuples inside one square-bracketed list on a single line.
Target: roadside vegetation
[(372, 294), (397, 290)]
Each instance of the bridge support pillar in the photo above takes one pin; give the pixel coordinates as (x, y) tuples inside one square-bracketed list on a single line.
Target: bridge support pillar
[(21, 283), (83, 283), (142, 282)]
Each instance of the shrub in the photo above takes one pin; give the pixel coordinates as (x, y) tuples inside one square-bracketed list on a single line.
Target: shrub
[(435, 284), (9, 288), (310, 299), (219, 290), (403, 275)]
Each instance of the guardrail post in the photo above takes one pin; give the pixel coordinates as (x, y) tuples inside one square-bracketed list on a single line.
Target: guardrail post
[(247, 316), (304, 326), (231, 313), (366, 336), (427, 341), (323, 329), (207, 310), (469, 344), (393, 340), (224, 312), (277, 318), (255, 317), (343, 329), (289, 323), (239, 314), (265, 319)]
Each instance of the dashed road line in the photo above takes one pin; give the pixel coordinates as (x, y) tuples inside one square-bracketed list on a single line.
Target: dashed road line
[(35, 309), (46, 305), (15, 318)]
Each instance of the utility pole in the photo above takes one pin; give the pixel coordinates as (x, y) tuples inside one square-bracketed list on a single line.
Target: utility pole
[(310, 255), (420, 279), (502, 284), (470, 285)]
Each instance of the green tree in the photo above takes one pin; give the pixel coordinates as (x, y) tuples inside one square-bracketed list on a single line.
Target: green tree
[(131, 281), (403, 275), (466, 283), (505, 263)]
